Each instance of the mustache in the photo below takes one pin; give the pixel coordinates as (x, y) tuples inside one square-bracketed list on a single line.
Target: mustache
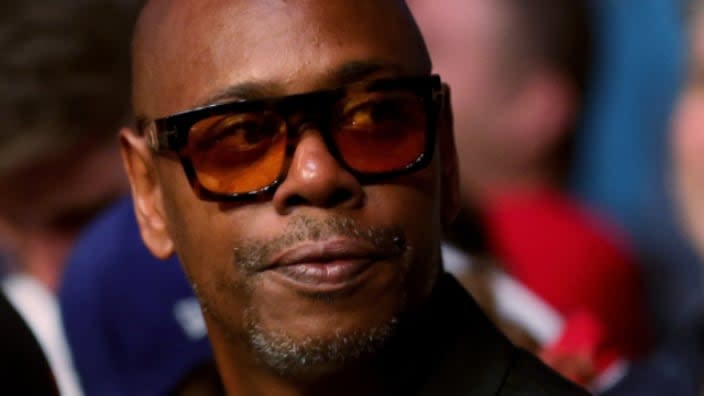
[(253, 255)]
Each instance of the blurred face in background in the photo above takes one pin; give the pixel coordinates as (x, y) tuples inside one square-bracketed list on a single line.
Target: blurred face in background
[(512, 113), (464, 37), (44, 205), (511, 110), (688, 139), (64, 92)]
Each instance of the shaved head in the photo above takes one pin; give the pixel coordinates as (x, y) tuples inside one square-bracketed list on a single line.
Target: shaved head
[(188, 54), (175, 37)]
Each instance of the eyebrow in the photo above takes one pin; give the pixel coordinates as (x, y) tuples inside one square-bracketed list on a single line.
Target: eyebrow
[(347, 73), (242, 91), (356, 71)]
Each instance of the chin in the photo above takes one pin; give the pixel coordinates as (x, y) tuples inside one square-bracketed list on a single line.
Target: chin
[(320, 345), (303, 336)]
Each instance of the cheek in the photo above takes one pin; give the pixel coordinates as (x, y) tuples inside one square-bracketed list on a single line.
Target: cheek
[(204, 236), (415, 205), (192, 225)]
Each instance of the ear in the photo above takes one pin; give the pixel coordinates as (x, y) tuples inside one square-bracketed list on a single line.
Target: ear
[(146, 193), (450, 181)]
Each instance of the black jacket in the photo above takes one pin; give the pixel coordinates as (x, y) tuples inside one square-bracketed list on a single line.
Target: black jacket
[(452, 348)]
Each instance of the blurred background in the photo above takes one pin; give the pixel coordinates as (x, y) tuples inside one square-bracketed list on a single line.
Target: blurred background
[(580, 129), (576, 124)]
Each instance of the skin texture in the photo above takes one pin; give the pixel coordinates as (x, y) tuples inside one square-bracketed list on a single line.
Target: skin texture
[(688, 141), (270, 336)]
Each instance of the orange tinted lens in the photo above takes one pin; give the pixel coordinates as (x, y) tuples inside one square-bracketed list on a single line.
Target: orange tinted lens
[(382, 132), (238, 153)]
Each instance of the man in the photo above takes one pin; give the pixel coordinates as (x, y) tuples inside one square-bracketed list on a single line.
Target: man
[(519, 72), (64, 89), (687, 138), (676, 365), (523, 69), (63, 81), (623, 146), (687, 142), (306, 199)]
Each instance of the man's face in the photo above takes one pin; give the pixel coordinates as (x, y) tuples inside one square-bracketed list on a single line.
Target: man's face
[(347, 258), (688, 141), (46, 204)]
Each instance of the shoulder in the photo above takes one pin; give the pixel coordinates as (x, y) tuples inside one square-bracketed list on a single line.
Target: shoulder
[(96, 251), (100, 245), (530, 377), (472, 357)]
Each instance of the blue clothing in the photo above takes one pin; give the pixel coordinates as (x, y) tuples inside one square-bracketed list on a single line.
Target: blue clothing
[(622, 169), (132, 322)]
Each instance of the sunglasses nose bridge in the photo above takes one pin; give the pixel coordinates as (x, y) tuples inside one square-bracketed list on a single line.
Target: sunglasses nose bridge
[(313, 114), (298, 130)]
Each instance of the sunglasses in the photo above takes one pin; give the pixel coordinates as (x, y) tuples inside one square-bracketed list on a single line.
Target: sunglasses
[(241, 150)]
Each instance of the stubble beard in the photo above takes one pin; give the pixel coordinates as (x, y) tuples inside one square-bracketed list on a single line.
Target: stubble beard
[(310, 357)]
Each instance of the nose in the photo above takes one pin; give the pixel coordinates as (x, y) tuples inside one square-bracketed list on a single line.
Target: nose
[(316, 178)]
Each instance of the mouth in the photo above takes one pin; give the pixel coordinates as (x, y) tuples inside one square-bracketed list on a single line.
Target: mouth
[(330, 266)]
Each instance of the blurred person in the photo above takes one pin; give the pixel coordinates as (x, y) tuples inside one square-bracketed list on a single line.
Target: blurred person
[(687, 142), (64, 81), (132, 321), (621, 159), (688, 139), (676, 364), (306, 199), (522, 87), (556, 277)]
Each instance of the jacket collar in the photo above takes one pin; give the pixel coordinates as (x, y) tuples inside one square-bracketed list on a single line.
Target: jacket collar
[(449, 347)]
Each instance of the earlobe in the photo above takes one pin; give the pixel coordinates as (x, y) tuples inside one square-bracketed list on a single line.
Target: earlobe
[(146, 194), (448, 160)]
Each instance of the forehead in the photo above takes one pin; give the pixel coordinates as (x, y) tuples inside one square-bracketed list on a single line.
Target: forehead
[(186, 51)]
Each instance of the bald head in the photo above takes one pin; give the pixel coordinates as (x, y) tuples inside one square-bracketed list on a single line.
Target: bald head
[(189, 53), (267, 324)]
